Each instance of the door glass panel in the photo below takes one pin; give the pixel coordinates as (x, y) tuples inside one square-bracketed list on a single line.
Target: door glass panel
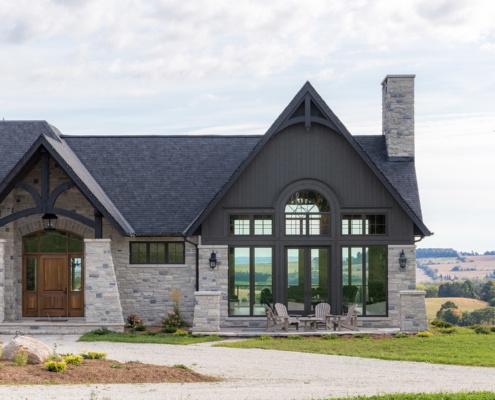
[(319, 277), (53, 242), (376, 281), (352, 277), (262, 280), (295, 279), (31, 274), (75, 274), (31, 244), (239, 281)]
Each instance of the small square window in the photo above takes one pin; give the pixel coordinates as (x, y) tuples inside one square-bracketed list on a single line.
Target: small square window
[(240, 225), (263, 225), (376, 224), (352, 224)]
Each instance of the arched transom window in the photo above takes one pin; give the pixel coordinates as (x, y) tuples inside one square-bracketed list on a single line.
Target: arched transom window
[(307, 212)]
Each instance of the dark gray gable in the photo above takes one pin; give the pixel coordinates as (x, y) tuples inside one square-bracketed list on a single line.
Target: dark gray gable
[(22, 140), (161, 183), (307, 107)]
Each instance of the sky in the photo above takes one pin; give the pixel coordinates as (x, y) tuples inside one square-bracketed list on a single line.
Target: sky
[(223, 67)]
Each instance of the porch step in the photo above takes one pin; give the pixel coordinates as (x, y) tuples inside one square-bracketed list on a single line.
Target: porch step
[(65, 326)]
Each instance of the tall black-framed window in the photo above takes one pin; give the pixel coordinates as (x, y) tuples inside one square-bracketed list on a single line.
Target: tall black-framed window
[(364, 279), (157, 253), (307, 212), (250, 280)]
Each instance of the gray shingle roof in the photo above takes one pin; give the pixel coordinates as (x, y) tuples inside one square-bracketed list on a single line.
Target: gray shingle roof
[(161, 183)]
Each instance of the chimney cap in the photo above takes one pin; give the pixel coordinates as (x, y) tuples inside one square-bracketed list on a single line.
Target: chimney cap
[(410, 76)]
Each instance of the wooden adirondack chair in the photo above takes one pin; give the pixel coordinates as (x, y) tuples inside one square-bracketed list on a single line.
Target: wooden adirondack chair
[(322, 314), (282, 312), (274, 321), (348, 321)]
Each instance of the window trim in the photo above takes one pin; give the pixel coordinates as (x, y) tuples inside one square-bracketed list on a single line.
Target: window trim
[(166, 253)]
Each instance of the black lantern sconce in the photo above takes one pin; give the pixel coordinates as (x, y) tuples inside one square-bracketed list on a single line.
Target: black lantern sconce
[(402, 260), (49, 221), (213, 260)]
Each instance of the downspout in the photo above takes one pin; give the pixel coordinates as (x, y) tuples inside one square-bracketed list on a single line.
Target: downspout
[(197, 261)]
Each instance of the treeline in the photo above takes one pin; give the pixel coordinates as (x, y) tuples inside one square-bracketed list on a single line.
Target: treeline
[(436, 253), (466, 289), (450, 313), (443, 253)]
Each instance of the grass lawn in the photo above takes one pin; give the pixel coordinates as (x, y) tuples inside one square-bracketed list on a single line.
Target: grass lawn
[(428, 396), (464, 347), (157, 338)]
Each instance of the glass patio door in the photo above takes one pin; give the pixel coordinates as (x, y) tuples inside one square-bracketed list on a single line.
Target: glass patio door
[(307, 278)]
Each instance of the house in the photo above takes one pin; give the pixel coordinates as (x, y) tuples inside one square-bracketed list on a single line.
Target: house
[(306, 213)]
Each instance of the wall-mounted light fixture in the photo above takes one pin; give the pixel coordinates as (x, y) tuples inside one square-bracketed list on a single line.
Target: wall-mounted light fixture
[(49, 221), (402, 260), (213, 260)]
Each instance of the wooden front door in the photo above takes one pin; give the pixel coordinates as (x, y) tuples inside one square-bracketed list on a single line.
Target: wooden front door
[(53, 275), (52, 293)]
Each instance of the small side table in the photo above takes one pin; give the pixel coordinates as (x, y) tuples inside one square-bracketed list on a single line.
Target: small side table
[(310, 324)]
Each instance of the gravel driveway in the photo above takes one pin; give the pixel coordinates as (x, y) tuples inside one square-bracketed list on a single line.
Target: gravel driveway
[(257, 374)]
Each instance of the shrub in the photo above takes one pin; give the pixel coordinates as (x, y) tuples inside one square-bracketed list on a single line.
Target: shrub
[(172, 322), (20, 357), (180, 366), (94, 355), (74, 360), (265, 337), (295, 337), (331, 336), (482, 330), (424, 334), (180, 332), (401, 335), (56, 366), (440, 323), (447, 331), (133, 320)]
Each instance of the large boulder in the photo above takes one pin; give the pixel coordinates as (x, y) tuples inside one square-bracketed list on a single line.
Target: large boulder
[(37, 351)]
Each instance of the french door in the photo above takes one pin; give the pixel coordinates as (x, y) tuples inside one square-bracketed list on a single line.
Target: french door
[(307, 278)]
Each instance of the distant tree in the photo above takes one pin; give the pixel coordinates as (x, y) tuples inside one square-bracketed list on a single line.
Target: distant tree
[(487, 292), (431, 290), (469, 290), (489, 253)]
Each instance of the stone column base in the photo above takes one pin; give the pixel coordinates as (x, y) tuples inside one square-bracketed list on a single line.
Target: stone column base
[(206, 312), (413, 311)]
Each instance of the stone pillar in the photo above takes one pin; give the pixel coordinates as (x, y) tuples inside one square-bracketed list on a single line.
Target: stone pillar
[(215, 280), (2, 279), (102, 300), (206, 312), (413, 311), (399, 279), (398, 116)]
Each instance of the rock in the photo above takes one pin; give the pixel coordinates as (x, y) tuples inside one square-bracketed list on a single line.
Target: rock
[(37, 351)]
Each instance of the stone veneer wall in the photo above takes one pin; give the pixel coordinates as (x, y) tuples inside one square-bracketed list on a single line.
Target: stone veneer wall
[(146, 289), (398, 115), (101, 293), (2, 279)]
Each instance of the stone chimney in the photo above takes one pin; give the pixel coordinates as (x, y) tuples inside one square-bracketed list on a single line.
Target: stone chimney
[(398, 116)]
